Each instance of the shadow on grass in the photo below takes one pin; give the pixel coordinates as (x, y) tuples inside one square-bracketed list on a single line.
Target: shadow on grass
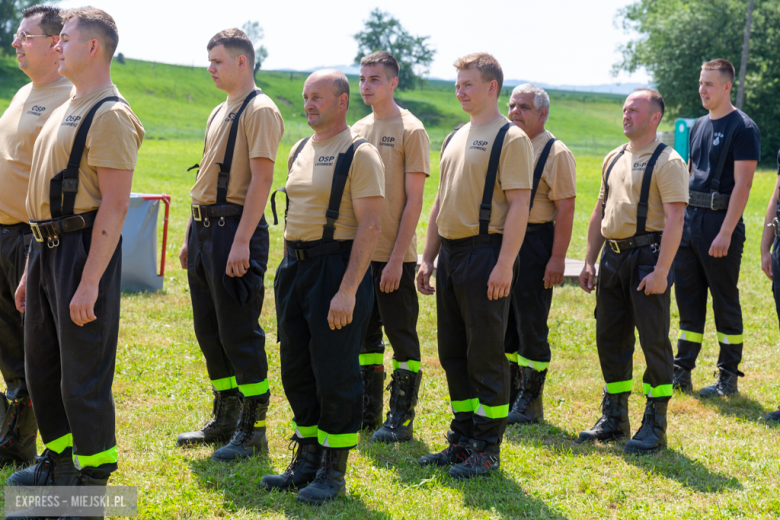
[(496, 494), (739, 406), (668, 463), (239, 485)]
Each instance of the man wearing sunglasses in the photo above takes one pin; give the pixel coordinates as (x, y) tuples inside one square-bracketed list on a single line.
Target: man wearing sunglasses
[(20, 125)]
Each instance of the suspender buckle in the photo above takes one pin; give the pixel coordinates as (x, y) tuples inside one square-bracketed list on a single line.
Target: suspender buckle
[(70, 185), (776, 225), (300, 254), (655, 247), (53, 242), (36, 231), (196, 213), (484, 212), (712, 201), (613, 245)]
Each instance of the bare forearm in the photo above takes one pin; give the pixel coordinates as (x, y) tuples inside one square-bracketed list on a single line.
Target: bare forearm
[(407, 228), (360, 257), (670, 242), (105, 237), (514, 232), (768, 236), (595, 238), (737, 203), (432, 238), (254, 207), (563, 228)]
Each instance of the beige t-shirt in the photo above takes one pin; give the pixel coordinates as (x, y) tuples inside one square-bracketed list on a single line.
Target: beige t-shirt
[(464, 165), (259, 131), (404, 147), (309, 185), (669, 184), (112, 142), (558, 179), (20, 125)]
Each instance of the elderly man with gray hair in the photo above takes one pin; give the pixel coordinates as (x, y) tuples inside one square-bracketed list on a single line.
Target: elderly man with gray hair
[(542, 256)]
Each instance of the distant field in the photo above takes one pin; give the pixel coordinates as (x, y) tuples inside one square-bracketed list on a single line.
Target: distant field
[(174, 102)]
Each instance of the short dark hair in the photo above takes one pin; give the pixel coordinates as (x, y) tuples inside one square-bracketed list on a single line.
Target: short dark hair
[(236, 42), (341, 86), (385, 59), (656, 99), (51, 20), (486, 64), (99, 23), (725, 67)]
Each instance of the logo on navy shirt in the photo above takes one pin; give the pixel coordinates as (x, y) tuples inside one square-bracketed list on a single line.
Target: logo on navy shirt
[(388, 141), (479, 145), (36, 110), (717, 137), (325, 160)]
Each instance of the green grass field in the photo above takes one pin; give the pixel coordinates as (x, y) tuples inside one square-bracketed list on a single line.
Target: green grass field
[(722, 460)]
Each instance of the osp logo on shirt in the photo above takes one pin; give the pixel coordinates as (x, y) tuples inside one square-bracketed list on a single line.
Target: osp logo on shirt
[(388, 141), (36, 110), (479, 145), (71, 121), (230, 117), (325, 160), (639, 166)]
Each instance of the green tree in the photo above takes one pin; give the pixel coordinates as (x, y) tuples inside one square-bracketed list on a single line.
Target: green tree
[(384, 33), (10, 18), (255, 33), (677, 36)]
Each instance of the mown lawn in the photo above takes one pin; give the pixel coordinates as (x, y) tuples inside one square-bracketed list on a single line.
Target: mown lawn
[(722, 459)]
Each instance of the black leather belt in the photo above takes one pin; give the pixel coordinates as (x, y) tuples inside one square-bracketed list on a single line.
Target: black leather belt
[(308, 250), (626, 244), (713, 201), (204, 213), (20, 228), (50, 230), (532, 228), (473, 242)]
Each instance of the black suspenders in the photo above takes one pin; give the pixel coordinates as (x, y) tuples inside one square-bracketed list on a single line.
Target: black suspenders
[(65, 185), (644, 195), (539, 169), (224, 167), (340, 175), (283, 189)]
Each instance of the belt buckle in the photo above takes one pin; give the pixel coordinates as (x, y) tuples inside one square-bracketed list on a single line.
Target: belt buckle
[(776, 225), (300, 254), (613, 245), (712, 201), (36, 231), (196, 215)]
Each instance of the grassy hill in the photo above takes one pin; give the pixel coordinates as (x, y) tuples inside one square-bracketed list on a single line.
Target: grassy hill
[(174, 101)]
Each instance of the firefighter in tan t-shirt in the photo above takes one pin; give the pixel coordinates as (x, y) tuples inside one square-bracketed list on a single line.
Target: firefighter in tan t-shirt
[(403, 144), (335, 188), (72, 294), (476, 227), (226, 250), (20, 124), (542, 257), (639, 213)]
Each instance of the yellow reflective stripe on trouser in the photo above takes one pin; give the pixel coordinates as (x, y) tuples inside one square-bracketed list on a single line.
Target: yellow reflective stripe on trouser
[(620, 386), (536, 365), (474, 406), (227, 383), (342, 440), (61, 444), (730, 339), (657, 391), (93, 461), (376, 358), (469, 405), (260, 424), (693, 337), (511, 356), (305, 432), (254, 389), (411, 365)]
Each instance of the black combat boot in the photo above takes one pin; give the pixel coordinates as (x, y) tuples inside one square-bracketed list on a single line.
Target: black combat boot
[(527, 408), (515, 382), (373, 377), (773, 416), (329, 482), (17, 443), (249, 438), (725, 384), (50, 469), (613, 423), (404, 389), (483, 458), (456, 452), (651, 436), (306, 461), (682, 380), (81, 514), (222, 424)]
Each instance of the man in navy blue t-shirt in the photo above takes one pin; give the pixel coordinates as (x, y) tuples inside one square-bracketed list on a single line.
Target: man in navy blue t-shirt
[(725, 149), (770, 262)]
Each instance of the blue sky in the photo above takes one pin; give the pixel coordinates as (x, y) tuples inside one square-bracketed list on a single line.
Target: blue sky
[(571, 42)]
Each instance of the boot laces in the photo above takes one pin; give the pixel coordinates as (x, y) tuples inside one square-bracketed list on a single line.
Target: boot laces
[(400, 402), (217, 413), (246, 423), (297, 451), (13, 427), (721, 383), (44, 463), (648, 422), (481, 458), (328, 462), (457, 450)]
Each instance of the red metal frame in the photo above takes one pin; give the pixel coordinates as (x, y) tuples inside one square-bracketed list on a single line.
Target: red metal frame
[(167, 201)]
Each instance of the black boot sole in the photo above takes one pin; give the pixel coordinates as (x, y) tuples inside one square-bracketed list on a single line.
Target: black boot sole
[(313, 502), (637, 451), (612, 438)]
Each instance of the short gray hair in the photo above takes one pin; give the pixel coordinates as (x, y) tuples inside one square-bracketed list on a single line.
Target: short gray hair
[(541, 99)]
